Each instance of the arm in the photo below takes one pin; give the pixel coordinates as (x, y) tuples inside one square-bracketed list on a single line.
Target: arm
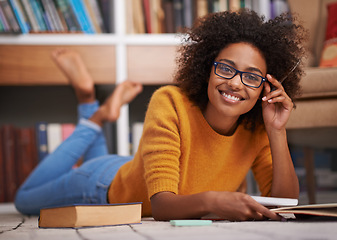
[(232, 206), (277, 107)]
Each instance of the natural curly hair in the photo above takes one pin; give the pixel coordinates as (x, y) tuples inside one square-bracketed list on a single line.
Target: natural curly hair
[(279, 40)]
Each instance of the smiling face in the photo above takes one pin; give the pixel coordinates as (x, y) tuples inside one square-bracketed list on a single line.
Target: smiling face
[(230, 98)]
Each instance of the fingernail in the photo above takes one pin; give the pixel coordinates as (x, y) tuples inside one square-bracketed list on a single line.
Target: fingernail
[(264, 98), (270, 100)]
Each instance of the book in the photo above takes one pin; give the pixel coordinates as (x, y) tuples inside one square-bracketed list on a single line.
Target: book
[(275, 202), (10, 17), (77, 216), (27, 7), (68, 15), (328, 210), (2, 172), (41, 140), (19, 15), (82, 16), (54, 136), (9, 161), (26, 158)]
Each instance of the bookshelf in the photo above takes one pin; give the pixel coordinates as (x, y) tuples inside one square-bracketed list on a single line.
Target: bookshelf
[(111, 58)]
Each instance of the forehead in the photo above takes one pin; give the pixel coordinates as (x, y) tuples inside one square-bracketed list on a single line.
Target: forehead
[(243, 55)]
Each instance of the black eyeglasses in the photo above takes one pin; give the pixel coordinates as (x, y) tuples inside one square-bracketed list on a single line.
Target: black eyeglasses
[(247, 78)]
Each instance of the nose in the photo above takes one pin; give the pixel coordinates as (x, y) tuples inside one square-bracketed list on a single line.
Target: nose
[(235, 82)]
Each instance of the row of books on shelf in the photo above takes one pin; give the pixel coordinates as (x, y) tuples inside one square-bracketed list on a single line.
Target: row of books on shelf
[(22, 148), (171, 16), (56, 16)]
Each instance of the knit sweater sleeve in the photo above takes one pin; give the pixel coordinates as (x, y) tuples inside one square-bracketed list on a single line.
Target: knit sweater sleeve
[(262, 166), (160, 148)]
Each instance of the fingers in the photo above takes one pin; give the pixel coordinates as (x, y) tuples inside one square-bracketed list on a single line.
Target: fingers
[(278, 95)]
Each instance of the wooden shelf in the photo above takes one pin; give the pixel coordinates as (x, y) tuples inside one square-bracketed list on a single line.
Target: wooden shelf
[(32, 65)]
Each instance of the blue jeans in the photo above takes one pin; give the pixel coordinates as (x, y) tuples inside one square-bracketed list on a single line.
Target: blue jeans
[(54, 182)]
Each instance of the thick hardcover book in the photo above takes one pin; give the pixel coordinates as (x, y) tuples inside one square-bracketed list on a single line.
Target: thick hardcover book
[(76, 216)]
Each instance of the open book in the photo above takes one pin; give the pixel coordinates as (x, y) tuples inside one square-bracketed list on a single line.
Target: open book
[(288, 208), (328, 210)]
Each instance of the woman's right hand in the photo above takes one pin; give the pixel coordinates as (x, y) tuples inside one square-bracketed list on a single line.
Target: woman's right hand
[(237, 206)]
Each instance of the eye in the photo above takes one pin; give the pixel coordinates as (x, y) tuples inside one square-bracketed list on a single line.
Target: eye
[(251, 77), (225, 69)]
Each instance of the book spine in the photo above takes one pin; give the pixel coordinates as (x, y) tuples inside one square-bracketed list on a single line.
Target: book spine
[(9, 156), (41, 140), (54, 136), (105, 7), (9, 14), (38, 14), (19, 16), (26, 153), (82, 16), (30, 15), (64, 7), (2, 169), (6, 27)]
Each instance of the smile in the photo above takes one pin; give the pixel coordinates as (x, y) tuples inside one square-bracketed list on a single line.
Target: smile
[(230, 97)]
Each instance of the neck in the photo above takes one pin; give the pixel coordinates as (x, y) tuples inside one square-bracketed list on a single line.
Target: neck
[(223, 125)]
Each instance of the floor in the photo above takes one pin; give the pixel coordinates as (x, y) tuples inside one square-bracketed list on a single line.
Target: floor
[(14, 226)]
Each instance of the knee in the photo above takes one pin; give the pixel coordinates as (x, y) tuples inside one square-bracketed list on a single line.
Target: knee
[(24, 206)]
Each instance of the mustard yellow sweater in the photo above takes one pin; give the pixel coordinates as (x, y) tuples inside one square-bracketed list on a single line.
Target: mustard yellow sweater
[(180, 153)]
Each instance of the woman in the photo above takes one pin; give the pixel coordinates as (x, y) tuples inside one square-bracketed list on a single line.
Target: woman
[(200, 138)]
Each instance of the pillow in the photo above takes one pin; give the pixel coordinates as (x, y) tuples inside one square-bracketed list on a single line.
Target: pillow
[(329, 53)]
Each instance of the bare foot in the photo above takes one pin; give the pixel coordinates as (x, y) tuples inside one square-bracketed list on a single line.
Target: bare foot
[(124, 93), (71, 64)]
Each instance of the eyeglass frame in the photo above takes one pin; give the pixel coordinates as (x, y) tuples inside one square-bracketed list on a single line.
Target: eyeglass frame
[(263, 79)]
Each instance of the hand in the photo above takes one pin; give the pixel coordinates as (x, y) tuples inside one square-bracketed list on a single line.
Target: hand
[(235, 206), (276, 105)]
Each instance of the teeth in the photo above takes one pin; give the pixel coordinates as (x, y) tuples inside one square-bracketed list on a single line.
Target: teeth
[(231, 97)]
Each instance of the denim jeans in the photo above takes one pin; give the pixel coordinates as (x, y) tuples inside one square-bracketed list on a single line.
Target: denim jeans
[(55, 182)]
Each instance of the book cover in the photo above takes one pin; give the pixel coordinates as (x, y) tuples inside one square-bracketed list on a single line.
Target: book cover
[(328, 210), (77, 216)]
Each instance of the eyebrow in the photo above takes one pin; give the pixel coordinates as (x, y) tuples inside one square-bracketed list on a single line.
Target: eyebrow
[(251, 69)]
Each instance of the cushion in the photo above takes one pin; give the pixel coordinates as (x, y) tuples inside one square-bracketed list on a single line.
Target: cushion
[(329, 52)]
